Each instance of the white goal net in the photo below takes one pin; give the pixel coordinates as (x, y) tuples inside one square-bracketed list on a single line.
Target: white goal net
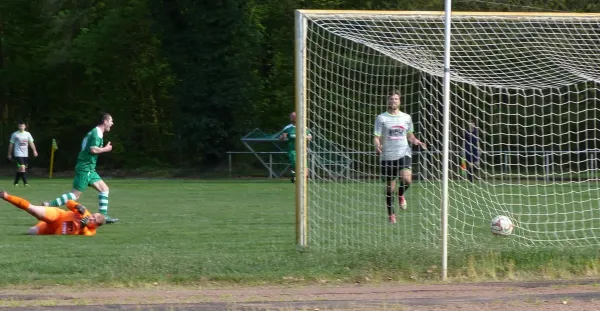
[(530, 85)]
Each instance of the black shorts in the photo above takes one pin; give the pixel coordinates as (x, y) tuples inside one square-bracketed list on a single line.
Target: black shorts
[(21, 161), (391, 169)]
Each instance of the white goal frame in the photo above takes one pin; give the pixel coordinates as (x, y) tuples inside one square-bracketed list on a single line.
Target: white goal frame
[(301, 105)]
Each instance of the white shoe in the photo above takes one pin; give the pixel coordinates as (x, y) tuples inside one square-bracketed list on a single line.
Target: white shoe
[(402, 202)]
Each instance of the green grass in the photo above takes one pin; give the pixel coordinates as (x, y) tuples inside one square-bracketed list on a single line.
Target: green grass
[(243, 232), (557, 214)]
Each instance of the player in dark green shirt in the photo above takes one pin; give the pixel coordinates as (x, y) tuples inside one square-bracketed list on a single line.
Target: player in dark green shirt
[(85, 169), (289, 134)]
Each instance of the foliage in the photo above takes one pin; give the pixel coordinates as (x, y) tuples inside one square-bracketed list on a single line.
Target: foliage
[(183, 79)]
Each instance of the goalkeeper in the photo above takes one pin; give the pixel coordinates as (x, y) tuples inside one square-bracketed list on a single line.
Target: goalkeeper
[(53, 220), (289, 134)]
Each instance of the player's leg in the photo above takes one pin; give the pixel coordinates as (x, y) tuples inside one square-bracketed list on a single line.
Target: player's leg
[(19, 170), (388, 173), (405, 167), (469, 159), (80, 183), (39, 229), (24, 165), (292, 159), (74, 194), (33, 230), (476, 170), (103, 190), (43, 213)]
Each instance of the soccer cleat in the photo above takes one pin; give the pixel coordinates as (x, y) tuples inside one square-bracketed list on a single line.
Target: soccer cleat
[(110, 220), (3, 194), (392, 219), (46, 203), (16, 185), (26, 185), (402, 201)]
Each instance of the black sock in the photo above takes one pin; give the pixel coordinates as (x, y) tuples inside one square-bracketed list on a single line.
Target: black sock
[(402, 189), (17, 177), (24, 177), (389, 198)]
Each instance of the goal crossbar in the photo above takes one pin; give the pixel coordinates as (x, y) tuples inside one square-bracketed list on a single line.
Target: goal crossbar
[(374, 13)]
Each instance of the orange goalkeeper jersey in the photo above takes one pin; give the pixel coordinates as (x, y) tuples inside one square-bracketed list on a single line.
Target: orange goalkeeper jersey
[(59, 221)]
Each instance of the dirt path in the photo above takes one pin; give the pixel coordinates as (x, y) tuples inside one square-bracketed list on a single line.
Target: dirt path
[(555, 295)]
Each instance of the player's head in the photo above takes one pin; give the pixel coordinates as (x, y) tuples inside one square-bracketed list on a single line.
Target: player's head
[(293, 117), (394, 100), (96, 220), (106, 121), (21, 125)]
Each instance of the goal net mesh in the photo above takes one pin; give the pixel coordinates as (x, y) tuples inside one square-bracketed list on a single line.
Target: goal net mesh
[(530, 84)]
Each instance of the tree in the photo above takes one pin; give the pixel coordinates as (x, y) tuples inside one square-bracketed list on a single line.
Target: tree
[(213, 47)]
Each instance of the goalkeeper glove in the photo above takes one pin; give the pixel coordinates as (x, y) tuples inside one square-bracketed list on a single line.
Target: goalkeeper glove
[(80, 209), (84, 221)]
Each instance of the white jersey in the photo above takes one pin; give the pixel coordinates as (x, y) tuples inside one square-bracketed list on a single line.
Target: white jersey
[(393, 130), (21, 141)]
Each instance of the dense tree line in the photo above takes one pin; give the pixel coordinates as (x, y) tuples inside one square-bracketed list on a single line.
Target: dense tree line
[(183, 79)]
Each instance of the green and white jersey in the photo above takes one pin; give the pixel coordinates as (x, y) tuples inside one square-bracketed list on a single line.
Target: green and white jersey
[(20, 142), (290, 130), (393, 130), (86, 161)]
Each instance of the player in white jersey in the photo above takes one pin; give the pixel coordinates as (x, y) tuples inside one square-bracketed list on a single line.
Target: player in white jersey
[(20, 141), (393, 136)]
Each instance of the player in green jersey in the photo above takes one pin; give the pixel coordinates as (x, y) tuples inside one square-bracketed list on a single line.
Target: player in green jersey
[(85, 169), (289, 134)]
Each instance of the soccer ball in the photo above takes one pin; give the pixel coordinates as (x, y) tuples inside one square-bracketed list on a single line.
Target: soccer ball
[(502, 225)]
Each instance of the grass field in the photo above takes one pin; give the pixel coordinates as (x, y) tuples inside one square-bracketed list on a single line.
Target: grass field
[(238, 232), (545, 214)]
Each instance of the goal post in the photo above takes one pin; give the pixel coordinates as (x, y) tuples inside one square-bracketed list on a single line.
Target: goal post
[(301, 121), (527, 83)]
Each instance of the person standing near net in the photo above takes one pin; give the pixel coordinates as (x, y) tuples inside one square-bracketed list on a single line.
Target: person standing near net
[(19, 144), (289, 134), (471, 149), (394, 132)]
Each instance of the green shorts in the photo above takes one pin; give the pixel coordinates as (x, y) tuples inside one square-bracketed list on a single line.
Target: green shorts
[(84, 179), (292, 159)]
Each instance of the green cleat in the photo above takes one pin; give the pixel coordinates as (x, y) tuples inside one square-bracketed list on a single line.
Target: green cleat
[(110, 220)]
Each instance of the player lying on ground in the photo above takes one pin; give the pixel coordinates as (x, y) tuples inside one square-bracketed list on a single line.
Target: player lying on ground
[(53, 220)]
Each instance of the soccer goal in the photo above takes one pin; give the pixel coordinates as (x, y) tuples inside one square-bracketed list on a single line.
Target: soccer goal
[(529, 83)]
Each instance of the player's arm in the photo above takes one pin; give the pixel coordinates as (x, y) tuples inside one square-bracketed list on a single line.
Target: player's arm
[(76, 207), (377, 135), (32, 145), (88, 232), (478, 146), (415, 141), (412, 139), (82, 211), (284, 134), (11, 147), (97, 149)]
